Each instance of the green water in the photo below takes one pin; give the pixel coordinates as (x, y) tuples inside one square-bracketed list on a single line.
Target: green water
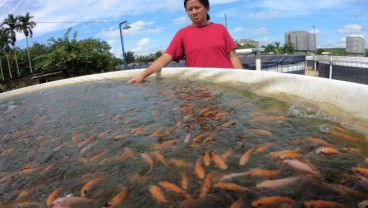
[(44, 143)]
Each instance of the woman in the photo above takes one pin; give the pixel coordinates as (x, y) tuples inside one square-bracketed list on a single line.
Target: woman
[(203, 43)]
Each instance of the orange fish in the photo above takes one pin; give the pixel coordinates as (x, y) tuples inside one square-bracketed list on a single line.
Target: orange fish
[(344, 136), (174, 188), (200, 137), (230, 187), (326, 150), (318, 141), (157, 194), (199, 170), (360, 171), (238, 203), (207, 158), (324, 204), (265, 173), (90, 185), (278, 183), (277, 154), (54, 195), (160, 157), (290, 155), (245, 157), (218, 160), (184, 180), (206, 186), (119, 199), (263, 148), (272, 201), (180, 163)]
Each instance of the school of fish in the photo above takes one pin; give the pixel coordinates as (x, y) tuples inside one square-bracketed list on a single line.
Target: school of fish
[(192, 164)]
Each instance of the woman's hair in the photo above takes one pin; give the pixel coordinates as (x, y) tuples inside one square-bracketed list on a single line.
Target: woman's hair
[(205, 3)]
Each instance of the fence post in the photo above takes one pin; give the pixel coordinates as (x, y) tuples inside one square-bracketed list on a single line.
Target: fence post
[(330, 67)]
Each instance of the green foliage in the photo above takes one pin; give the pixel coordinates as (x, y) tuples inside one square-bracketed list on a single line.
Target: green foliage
[(77, 58)]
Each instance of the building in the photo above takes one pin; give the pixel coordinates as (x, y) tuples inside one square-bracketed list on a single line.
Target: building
[(302, 41), (355, 45), (243, 42)]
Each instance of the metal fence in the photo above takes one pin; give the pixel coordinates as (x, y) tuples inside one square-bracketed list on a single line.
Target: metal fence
[(345, 68)]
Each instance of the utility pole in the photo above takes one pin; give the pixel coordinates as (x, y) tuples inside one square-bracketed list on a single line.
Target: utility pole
[(225, 21)]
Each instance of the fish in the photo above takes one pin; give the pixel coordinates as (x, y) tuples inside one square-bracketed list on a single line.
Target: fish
[(324, 204), (119, 199), (360, 171), (233, 175), (218, 161), (343, 136), (263, 148), (180, 163), (199, 170), (160, 157), (148, 159), (206, 186), (290, 155), (207, 159), (362, 179), (74, 202), (174, 188), (277, 183), (199, 137), (157, 193), (260, 132), (318, 141), (230, 187), (91, 185), (272, 201), (265, 173), (245, 157), (277, 154), (54, 195), (300, 166), (238, 203), (184, 180), (326, 150)]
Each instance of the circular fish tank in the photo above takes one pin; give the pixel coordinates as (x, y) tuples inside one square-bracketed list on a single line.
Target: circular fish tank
[(186, 137)]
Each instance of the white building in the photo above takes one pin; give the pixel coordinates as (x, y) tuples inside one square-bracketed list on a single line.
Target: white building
[(355, 45)]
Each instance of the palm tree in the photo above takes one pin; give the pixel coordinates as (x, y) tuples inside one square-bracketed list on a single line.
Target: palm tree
[(26, 25), (11, 21), (5, 41)]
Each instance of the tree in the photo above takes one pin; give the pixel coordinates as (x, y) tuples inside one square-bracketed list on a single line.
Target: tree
[(26, 26), (130, 57), (11, 22), (5, 41), (77, 58), (289, 48)]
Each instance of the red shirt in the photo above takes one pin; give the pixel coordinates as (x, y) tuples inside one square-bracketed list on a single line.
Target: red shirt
[(207, 46)]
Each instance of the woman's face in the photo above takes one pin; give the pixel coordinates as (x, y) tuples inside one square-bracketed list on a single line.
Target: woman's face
[(197, 12)]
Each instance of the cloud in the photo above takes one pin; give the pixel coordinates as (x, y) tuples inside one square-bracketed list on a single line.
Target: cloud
[(351, 28), (181, 20), (236, 30), (144, 42), (260, 31)]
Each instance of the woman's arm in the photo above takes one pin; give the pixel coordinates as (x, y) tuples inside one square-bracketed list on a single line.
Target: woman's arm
[(235, 60), (163, 61)]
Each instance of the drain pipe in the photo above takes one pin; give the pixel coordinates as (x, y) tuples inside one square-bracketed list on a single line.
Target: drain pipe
[(257, 51)]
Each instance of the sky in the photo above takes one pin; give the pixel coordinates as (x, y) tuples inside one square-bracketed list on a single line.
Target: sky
[(153, 23)]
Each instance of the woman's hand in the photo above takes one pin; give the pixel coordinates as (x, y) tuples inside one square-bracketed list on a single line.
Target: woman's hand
[(139, 78)]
